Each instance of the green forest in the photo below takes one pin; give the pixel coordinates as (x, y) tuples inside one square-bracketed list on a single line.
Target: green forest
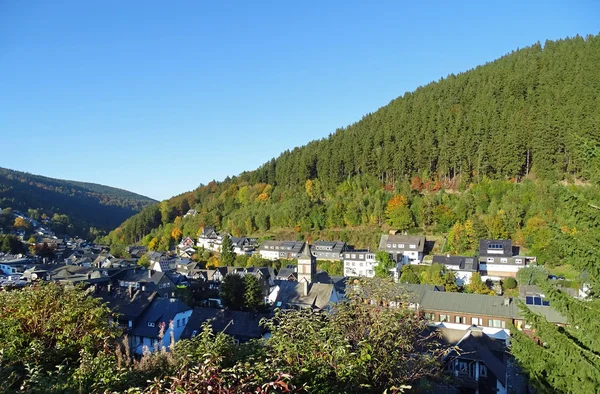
[(86, 204), (468, 156)]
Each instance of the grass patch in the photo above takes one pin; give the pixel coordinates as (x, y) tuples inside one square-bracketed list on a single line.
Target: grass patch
[(568, 271)]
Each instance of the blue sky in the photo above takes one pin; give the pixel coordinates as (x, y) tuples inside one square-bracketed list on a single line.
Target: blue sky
[(157, 97)]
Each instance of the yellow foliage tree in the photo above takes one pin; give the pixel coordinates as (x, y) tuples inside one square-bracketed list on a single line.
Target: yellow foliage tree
[(177, 221), (212, 263), (308, 186), (153, 244), (176, 234), (397, 201), (21, 223)]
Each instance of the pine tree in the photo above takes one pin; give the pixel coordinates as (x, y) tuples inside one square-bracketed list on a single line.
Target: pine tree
[(227, 253), (253, 295)]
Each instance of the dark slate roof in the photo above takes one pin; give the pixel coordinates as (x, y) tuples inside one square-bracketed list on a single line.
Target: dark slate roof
[(504, 246), (406, 240), (161, 310), (292, 293), (285, 273), (155, 256), (463, 263), (476, 345), (240, 325), (128, 307)]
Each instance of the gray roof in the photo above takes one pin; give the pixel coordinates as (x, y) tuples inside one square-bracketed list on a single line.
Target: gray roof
[(292, 293), (406, 240), (286, 273), (506, 247), (128, 307), (161, 310), (241, 325), (464, 263), (483, 305)]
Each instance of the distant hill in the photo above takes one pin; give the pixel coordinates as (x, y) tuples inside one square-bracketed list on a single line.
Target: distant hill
[(86, 204), (531, 114)]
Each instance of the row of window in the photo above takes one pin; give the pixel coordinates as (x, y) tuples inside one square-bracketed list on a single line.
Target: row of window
[(477, 321), (401, 246), (369, 256), (503, 260)]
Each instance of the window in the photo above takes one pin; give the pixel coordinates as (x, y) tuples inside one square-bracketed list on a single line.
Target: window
[(150, 324), (389, 245), (401, 246), (490, 259), (178, 322), (504, 260), (482, 370), (459, 319), (347, 255), (497, 323), (362, 256), (394, 246), (370, 273), (194, 333), (518, 261), (444, 318), (353, 255), (476, 321), (430, 316), (413, 246)]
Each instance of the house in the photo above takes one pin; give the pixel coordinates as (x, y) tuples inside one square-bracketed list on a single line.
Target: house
[(161, 262), (264, 275), (191, 212), (362, 263), (136, 251), (186, 248), (274, 250), (407, 249), (328, 250), (244, 245), (306, 292), (462, 266), (494, 314), (209, 239), (150, 281), (14, 264), (498, 258), (161, 324), (287, 273), (480, 363), (221, 272), (242, 326), (128, 305)]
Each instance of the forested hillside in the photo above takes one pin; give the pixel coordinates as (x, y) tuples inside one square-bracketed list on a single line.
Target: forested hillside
[(472, 153), (86, 204)]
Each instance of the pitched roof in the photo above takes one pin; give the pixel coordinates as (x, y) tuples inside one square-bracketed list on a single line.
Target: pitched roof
[(406, 240), (501, 247), (129, 308), (292, 293), (161, 310), (242, 325), (286, 273), (464, 263)]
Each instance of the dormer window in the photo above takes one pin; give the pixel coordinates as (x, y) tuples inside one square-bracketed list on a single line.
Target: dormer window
[(413, 246), (394, 246), (401, 246), (150, 324), (389, 245)]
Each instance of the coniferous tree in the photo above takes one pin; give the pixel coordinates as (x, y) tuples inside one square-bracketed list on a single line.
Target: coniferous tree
[(227, 253)]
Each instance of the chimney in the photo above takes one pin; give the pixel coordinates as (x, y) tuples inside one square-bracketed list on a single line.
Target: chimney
[(130, 292), (506, 301), (149, 273), (109, 288), (305, 287)]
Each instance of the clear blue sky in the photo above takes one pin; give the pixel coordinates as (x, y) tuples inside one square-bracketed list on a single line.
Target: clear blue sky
[(157, 97)]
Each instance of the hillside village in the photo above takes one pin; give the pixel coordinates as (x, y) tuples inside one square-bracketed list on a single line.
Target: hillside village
[(173, 295)]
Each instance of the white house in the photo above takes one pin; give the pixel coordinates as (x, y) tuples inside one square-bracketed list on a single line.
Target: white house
[(498, 259), (462, 266), (362, 263), (273, 250), (162, 322), (407, 249), (209, 239)]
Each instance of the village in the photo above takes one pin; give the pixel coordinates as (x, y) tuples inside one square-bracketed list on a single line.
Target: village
[(173, 296)]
